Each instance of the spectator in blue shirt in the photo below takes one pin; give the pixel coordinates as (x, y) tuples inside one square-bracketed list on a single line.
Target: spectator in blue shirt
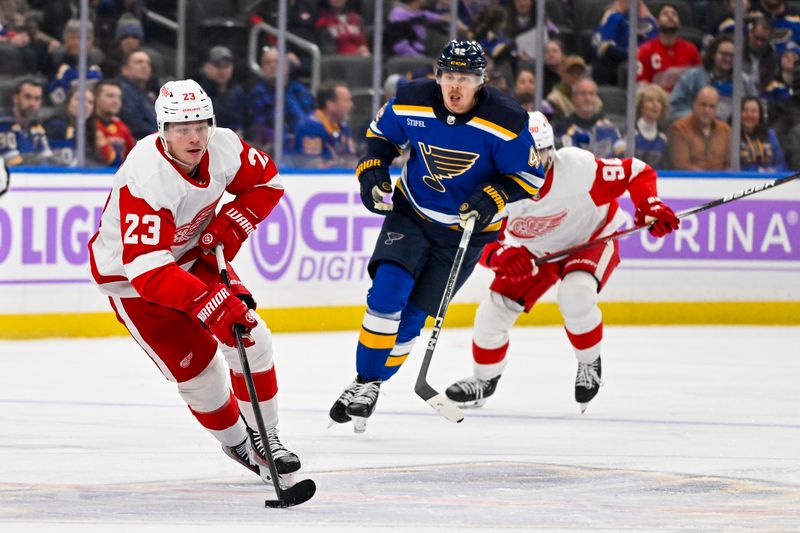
[(23, 140), (587, 129), (298, 104), (324, 139), (65, 72), (62, 130), (785, 21), (652, 107), (779, 89), (759, 148), (138, 110), (610, 40), (716, 70), (227, 96)]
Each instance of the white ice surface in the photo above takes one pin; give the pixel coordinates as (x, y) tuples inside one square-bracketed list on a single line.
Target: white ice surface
[(695, 429)]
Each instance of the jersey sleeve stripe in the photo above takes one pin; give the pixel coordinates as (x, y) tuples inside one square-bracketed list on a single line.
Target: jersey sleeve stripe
[(491, 127), (413, 111), (375, 133), (147, 262), (529, 182)]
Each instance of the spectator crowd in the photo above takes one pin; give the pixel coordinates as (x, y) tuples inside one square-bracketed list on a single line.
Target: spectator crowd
[(684, 76)]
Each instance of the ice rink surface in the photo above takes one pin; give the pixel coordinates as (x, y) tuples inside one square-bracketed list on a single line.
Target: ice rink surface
[(695, 429)]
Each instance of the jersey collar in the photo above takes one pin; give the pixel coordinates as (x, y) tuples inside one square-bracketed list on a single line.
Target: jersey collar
[(443, 114)]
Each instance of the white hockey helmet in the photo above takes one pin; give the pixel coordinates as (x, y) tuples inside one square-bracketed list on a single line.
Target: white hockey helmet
[(541, 130), (183, 101)]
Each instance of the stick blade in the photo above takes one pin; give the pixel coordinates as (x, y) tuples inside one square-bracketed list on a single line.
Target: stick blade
[(295, 495), (446, 408), (440, 403)]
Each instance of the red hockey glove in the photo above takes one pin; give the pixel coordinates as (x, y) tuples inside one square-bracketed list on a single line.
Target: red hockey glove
[(658, 214), (514, 262), (207, 273), (231, 227), (220, 311)]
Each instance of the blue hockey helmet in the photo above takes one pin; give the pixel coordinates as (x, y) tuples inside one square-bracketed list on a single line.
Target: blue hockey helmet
[(462, 56)]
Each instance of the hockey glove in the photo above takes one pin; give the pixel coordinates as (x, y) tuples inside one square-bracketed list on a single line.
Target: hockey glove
[(373, 175), (220, 311), (5, 177), (230, 227), (484, 204), (514, 262), (208, 273), (661, 218)]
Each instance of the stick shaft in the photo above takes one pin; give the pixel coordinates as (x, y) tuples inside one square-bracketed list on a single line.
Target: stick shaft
[(755, 189), (422, 388)]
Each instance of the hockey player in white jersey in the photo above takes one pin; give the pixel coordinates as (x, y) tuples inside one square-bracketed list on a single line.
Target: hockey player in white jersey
[(577, 204), (153, 257)]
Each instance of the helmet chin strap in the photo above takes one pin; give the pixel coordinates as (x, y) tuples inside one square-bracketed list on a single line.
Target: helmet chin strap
[(165, 144)]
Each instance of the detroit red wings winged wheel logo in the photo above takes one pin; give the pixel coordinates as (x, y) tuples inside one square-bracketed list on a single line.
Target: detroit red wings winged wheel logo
[(531, 226), (186, 231)]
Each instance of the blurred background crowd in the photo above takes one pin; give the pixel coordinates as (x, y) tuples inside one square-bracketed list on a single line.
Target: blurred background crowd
[(684, 95)]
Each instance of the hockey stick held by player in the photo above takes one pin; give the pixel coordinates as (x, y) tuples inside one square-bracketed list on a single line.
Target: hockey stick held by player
[(577, 203), (146, 258), (470, 154)]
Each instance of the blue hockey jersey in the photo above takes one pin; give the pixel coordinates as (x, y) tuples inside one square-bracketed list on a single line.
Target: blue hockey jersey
[(452, 155), (23, 146)]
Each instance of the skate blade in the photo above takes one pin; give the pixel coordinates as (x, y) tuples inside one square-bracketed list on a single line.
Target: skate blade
[(359, 424), (474, 404), (583, 407), (284, 480)]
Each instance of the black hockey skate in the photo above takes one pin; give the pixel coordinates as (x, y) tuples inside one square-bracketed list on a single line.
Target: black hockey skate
[(286, 462), (472, 391), (241, 454), (357, 403), (587, 382), (338, 412)]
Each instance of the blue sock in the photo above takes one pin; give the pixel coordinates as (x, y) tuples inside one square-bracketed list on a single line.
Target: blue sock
[(411, 322), (386, 300)]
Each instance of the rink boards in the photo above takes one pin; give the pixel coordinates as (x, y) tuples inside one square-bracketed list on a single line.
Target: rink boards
[(306, 265)]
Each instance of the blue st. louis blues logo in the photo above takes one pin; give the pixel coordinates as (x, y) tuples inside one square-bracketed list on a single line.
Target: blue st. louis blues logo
[(444, 163), (392, 236)]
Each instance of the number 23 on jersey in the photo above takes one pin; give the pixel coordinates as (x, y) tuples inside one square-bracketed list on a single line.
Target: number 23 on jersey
[(144, 230)]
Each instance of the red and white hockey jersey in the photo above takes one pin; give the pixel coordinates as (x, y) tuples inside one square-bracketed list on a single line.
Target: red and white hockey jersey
[(155, 215), (578, 201)]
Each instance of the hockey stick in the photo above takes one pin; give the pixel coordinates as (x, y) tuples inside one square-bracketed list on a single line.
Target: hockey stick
[(555, 256), (299, 492), (439, 402)]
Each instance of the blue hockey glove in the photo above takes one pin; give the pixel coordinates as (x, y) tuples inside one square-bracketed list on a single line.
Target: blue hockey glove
[(484, 204), (373, 175)]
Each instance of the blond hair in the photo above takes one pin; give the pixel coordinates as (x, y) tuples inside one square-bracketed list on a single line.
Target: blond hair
[(654, 91)]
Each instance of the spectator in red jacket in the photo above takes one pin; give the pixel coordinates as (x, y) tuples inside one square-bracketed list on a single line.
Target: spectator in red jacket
[(342, 30), (663, 59), (114, 138)]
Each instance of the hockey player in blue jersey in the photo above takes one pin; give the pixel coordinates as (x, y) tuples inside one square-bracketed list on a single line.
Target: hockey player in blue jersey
[(470, 154)]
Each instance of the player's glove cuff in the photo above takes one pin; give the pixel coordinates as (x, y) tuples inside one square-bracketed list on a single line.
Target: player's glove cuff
[(376, 185)]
